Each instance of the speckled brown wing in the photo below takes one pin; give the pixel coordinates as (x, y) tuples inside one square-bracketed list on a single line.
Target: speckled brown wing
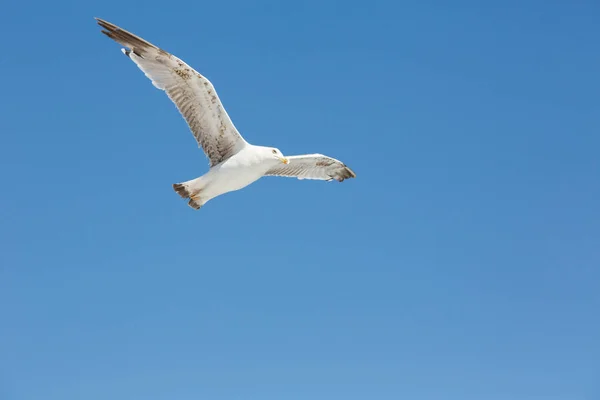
[(313, 166), (193, 94)]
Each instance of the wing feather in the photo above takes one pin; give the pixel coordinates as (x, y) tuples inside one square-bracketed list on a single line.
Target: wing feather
[(313, 166), (194, 95)]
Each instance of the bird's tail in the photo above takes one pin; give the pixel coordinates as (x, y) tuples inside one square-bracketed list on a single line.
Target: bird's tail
[(190, 190)]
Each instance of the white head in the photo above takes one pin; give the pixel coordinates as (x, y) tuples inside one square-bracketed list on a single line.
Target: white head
[(275, 153)]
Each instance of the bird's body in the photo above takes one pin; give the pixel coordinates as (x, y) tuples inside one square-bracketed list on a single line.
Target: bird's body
[(234, 163), (240, 170)]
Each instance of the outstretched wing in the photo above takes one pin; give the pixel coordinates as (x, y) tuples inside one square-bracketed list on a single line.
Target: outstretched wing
[(313, 166), (193, 94)]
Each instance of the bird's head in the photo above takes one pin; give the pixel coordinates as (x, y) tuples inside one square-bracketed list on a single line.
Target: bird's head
[(277, 154)]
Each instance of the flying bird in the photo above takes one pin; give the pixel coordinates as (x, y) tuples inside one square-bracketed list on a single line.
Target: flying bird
[(233, 162)]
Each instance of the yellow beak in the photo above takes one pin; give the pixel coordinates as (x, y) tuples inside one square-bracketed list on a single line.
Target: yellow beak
[(285, 160)]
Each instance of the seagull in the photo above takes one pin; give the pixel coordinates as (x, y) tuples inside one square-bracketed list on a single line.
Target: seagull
[(233, 162)]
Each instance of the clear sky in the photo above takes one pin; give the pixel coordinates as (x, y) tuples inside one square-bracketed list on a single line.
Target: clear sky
[(463, 262)]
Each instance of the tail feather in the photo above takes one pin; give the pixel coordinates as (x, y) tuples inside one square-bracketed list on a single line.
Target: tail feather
[(183, 190), (194, 204)]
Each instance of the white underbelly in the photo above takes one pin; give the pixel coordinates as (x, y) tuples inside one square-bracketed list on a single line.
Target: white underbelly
[(227, 179)]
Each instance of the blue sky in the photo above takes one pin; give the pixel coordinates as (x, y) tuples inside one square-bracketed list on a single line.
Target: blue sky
[(461, 263)]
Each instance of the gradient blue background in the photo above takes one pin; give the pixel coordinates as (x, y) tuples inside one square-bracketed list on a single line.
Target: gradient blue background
[(462, 263)]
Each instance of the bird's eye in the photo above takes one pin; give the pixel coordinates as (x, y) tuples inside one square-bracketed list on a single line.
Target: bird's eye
[(274, 151)]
